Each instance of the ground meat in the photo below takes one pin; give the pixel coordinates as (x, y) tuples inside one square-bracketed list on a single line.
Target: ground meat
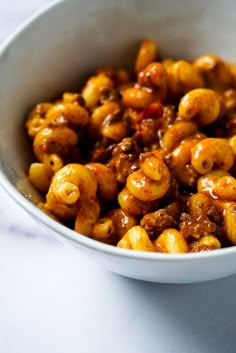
[(196, 227), (216, 216), (156, 222), (148, 132), (125, 159), (147, 124)]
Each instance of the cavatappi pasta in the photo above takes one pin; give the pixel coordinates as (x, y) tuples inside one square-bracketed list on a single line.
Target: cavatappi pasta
[(144, 162)]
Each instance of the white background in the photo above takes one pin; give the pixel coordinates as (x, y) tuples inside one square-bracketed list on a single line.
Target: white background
[(53, 300)]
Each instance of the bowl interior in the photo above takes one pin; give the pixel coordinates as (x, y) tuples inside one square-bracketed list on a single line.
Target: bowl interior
[(62, 46)]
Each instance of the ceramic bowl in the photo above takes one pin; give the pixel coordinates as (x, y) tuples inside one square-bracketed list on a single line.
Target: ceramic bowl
[(55, 51)]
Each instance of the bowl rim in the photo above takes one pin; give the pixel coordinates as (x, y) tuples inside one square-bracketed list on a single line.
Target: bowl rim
[(68, 233)]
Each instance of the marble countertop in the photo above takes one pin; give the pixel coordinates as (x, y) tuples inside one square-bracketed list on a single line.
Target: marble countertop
[(53, 300)]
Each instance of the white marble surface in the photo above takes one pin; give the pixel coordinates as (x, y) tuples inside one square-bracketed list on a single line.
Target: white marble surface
[(53, 300)]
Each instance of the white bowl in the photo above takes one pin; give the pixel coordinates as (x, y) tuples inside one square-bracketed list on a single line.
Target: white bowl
[(57, 50)]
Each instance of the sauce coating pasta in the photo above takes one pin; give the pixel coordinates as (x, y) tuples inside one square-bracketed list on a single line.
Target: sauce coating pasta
[(144, 162)]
